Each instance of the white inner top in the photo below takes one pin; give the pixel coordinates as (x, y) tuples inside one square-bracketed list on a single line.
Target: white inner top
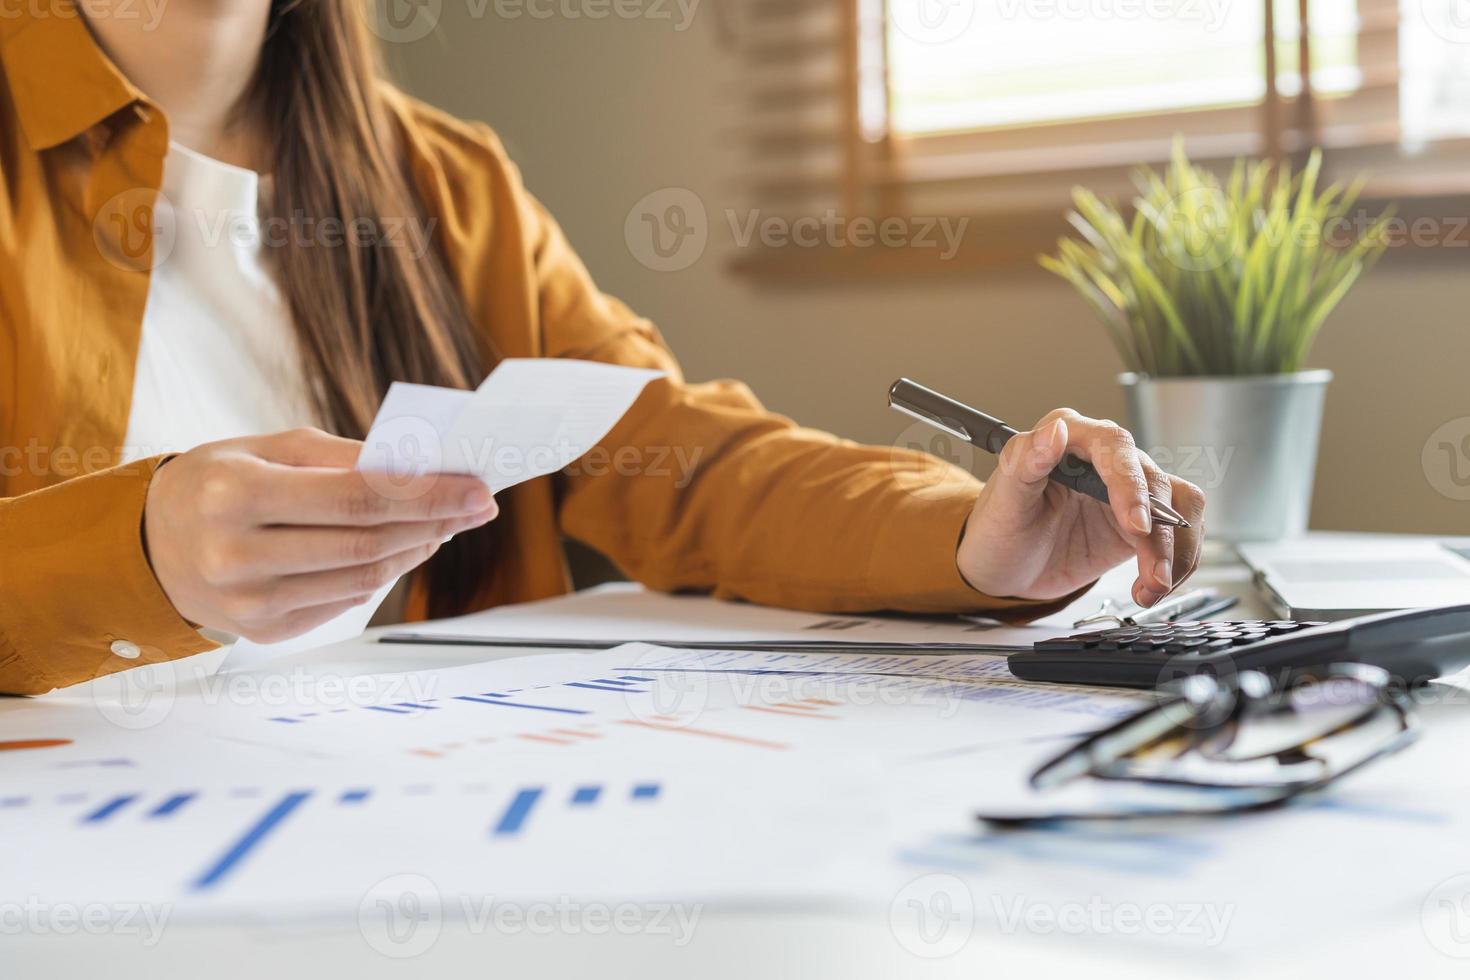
[(218, 357)]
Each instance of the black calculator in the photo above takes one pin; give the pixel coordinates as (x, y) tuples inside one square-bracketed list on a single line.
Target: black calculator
[(1412, 645)]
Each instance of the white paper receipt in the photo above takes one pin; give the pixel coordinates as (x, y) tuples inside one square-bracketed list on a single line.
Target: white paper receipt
[(529, 418)]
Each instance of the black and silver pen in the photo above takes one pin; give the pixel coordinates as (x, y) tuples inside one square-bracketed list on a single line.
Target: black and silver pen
[(991, 435)]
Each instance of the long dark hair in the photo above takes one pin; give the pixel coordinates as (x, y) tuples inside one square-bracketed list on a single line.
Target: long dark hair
[(368, 309)]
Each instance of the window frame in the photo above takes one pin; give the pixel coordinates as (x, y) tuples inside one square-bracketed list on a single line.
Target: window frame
[(1015, 182), (1275, 127)]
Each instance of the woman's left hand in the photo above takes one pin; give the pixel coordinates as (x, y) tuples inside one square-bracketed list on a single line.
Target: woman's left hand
[(1030, 538)]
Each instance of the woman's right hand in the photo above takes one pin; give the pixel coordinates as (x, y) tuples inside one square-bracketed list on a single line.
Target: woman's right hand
[(268, 536)]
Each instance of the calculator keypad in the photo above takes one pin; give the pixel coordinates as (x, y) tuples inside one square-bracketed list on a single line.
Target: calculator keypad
[(1181, 639)]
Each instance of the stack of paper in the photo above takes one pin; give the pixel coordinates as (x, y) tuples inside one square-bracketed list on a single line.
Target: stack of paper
[(626, 613)]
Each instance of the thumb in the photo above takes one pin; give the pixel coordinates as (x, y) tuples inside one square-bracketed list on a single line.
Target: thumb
[(308, 447), (1020, 480)]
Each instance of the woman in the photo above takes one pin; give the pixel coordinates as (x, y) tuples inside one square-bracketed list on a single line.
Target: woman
[(386, 242)]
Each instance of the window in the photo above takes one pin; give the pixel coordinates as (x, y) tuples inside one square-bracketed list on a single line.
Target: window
[(996, 108), (1019, 62)]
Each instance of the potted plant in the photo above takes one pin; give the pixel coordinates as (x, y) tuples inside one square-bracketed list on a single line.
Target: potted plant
[(1212, 293)]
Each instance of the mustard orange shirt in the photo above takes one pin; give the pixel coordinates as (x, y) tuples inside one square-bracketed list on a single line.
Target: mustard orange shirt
[(771, 513)]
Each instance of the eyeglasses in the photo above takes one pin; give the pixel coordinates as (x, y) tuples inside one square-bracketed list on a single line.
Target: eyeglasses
[(1215, 745)]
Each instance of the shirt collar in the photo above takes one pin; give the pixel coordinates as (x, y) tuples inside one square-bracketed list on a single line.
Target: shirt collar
[(60, 79)]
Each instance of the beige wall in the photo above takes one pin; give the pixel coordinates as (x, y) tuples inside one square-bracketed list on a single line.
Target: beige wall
[(601, 113)]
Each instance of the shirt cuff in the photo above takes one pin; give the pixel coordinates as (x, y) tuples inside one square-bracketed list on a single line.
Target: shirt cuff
[(914, 559), (78, 598)]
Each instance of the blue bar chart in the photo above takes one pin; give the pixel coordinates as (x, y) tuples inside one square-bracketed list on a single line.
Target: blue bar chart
[(256, 817), (241, 848), (516, 699), (515, 815)]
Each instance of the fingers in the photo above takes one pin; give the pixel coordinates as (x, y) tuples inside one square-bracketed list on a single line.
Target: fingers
[(1179, 547), (269, 536), (286, 550), (1189, 501), (1020, 481), (1157, 573), (311, 589), (345, 497), (1110, 449), (1166, 555), (307, 447), (297, 622)]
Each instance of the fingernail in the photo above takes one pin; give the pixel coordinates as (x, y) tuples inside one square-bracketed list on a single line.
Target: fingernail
[(1045, 437), (1164, 572), (477, 499), (1140, 519)]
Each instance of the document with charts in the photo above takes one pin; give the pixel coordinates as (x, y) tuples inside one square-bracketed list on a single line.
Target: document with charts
[(642, 771)]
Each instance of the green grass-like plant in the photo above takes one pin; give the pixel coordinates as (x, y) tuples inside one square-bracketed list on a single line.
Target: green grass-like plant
[(1218, 278)]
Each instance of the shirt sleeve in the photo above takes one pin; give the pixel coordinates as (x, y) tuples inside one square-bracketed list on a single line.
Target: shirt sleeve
[(77, 595), (700, 488)]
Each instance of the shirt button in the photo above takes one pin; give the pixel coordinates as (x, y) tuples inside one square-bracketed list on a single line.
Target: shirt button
[(126, 649)]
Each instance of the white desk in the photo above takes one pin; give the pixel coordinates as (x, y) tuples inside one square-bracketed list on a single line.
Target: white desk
[(1414, 939)]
